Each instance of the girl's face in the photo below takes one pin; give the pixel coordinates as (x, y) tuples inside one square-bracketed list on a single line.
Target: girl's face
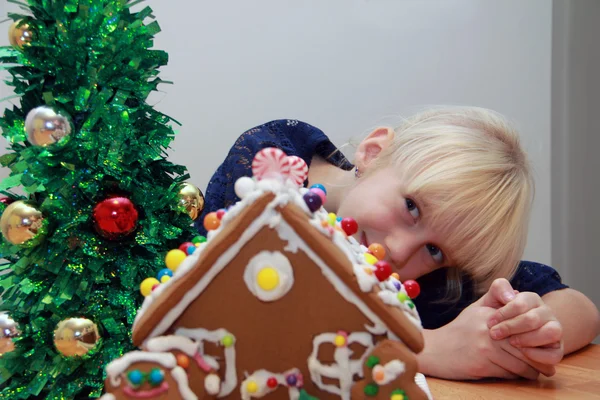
[(387, 215)]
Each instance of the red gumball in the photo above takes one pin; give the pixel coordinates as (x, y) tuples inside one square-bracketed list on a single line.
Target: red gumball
[(220, 214), (115, 217), (184, 247), (350, 226), (383, 270), (272, 383), (412, 288)]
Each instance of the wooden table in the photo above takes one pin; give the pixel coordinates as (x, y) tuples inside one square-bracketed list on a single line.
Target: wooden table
[(577, 377)]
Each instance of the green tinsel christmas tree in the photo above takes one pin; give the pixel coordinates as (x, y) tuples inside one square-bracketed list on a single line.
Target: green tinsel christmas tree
[(102, 205)]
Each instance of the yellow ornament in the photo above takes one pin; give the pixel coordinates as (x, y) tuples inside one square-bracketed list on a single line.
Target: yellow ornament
[(192, 200), (370, 259), (267, 278), (46, 126), (174, 258), (147, 285), (76, 336), (252, 387), (8, 330), (19, 34), (23, 224)]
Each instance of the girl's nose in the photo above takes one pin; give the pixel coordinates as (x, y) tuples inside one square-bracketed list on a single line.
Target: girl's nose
[(402, 245)]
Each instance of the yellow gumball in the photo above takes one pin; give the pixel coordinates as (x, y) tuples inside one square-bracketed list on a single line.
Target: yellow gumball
[(165, 279), (370, 259), (252, 387), (397, 397), (267, 278), (174, 258), (332, 219), (147, 285), (340, 341)]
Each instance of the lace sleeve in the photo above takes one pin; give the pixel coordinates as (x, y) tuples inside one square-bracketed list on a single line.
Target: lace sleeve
[(538, 278)]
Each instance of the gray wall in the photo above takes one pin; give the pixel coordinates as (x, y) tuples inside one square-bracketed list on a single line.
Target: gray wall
[(575, 144)]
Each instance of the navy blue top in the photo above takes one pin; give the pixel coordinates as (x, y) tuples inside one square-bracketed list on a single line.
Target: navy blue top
[(303, 140)]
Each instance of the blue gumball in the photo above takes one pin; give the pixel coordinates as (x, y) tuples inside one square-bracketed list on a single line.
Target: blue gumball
[(319, 186), (135, 377), (156, 377), (164, 272)]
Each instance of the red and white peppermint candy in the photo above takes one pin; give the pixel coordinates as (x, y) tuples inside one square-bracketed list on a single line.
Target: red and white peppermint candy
[(298, 170), (270, 163)]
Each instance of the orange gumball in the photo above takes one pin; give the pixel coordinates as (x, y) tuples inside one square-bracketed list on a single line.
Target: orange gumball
[(212, 221), (377, 250), (183, 361)]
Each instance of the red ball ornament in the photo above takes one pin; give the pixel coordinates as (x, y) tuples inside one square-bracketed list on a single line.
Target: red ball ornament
[(412, 288), (220, 214), (383, 270), (350, 226), (115, 217), (272, 383), (184, 247)]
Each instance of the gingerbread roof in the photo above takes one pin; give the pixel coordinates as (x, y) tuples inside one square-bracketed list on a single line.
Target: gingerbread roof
[(280, 205)]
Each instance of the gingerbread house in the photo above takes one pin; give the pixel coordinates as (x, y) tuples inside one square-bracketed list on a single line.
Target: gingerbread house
[(281, 303)]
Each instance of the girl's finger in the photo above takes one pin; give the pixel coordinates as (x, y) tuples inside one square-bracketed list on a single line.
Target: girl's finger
[(549, 334)]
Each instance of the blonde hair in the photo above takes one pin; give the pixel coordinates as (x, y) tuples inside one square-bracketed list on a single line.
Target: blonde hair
[(467, 167)]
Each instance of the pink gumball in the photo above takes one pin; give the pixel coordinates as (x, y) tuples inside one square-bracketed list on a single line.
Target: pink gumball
[(321, 194)]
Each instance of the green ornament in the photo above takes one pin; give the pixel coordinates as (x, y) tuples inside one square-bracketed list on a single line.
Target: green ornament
[(372, 361), (199, 239), (371, 390), (228, 341)]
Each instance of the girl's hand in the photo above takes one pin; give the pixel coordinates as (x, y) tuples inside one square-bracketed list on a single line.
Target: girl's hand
[(527, 322)]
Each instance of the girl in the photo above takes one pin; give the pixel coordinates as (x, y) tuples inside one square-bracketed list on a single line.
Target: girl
[(448, 194)]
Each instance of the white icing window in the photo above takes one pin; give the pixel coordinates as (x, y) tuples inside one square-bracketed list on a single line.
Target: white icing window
[(269, 275)]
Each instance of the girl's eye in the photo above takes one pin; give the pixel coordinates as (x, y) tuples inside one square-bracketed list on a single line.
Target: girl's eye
[(436, 253), (412, 208)]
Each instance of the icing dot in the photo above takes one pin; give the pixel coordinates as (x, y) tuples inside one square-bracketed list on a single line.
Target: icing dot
[(398, 394), (395, 276), (199, 239), (368, 271), (371, 390), (156, 377), (321, 194), (244, 186), (251, 387), (211, 221), (183, 361), (165, 279), (228, 340), (313, 201), (410, 304), (383, 270), (272, 383), (291, 380), (147, 285), (135, 377), (212, 384), (370, 259), (372, 361), (340, 341), (377, 250), (319, 186), (402, 297), (183, 247), (397, 285), (412, 288), (267, 278), (378, 374), (174, 258), (350, 226)]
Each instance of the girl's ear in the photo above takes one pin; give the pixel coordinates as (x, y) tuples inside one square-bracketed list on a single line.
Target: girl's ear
[(371, 147)]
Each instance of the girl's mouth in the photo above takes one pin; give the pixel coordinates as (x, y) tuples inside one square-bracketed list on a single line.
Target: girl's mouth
[(363, 239)]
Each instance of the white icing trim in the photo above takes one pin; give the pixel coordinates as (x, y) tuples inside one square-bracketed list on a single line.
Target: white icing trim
[(261, 376), (108, 396), (162, 344), (344, 368), (280, 263), (391, 371), (212, 384), (422, 383), (118, 366), (202, 335), (180, 376)]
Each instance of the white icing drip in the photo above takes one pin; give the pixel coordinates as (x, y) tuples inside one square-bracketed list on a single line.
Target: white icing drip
[(280, 263), (212, 384), (344, 368), (391, 371), (108, 396), (172, 342), (422, 383), (261, 376), (181, 378), (118, 366), (390, 298), (202, 335), (287, 233)]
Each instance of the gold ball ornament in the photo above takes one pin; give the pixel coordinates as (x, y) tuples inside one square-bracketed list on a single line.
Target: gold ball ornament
[(8, 330), (23, 224), (76, 336), (19, 34), (46, 126), (192, 199)]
